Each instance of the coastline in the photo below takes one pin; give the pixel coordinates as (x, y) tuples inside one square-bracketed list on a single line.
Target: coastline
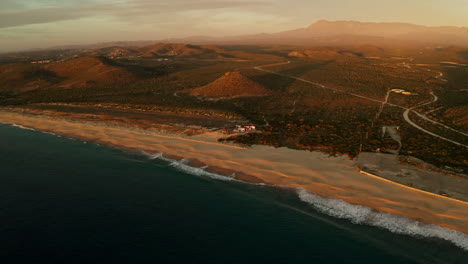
[(313, 172)]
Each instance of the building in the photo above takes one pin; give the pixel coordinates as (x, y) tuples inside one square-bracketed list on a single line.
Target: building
[(401, 91), (240, 129)]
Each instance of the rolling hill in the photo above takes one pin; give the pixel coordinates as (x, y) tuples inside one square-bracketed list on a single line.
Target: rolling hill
[(326, 53), (89, 71), (16, 78), (80, 72), (171, 50)]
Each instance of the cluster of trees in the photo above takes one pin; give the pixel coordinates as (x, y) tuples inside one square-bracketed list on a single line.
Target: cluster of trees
[(335, 136), (296, 115), (359, 76), (433, 150)]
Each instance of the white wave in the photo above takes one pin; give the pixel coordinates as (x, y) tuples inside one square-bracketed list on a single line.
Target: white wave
[(185, 160), (358, 214), (153, 156), (181, 166), (44, 132), (53, 134), (22, 127)]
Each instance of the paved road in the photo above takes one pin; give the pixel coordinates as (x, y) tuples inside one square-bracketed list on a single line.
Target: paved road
[(405, 114), (408, 120), (423, 116), (260, 68)]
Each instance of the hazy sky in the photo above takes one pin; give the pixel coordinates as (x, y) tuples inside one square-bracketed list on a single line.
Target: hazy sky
[(44, 23)]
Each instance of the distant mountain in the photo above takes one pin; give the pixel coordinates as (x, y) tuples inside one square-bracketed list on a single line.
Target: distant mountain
[(326, 54), (166, 50), (137, 43), (321, 33), (398, 31), (163, 49), (326, 32)]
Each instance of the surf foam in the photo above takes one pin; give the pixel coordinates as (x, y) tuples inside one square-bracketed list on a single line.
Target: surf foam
[(179, 165), (22, 127), (182, 166), (358, 214)]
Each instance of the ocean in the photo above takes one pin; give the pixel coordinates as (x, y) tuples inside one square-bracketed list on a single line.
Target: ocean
[(66, 201)]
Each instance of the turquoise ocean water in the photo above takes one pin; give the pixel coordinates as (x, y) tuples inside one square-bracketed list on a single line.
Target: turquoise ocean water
[(65, 201)]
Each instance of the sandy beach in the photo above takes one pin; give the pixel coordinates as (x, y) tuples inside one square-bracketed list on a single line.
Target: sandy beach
[(331, 177)]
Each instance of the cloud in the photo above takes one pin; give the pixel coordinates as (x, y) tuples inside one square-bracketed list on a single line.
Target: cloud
[(55, 11)]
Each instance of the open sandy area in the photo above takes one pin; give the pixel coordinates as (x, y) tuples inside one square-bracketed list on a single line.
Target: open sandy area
[(313, 171)]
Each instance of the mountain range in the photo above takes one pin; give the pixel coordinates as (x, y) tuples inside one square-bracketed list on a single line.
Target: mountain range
[(325, 32)]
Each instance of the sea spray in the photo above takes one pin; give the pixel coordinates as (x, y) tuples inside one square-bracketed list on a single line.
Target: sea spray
[(358, 214)]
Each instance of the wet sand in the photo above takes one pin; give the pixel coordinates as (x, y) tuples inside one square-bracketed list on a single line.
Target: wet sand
[(313, 171)]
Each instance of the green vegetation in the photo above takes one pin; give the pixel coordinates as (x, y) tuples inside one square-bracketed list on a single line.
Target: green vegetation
[(293, 113)]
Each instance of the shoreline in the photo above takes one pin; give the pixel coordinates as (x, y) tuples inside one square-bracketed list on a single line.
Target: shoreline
[(315, 172)]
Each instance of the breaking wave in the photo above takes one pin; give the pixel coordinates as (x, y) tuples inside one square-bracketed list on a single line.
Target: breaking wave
[(154, 156), (358, 214), (22, 127), (32, 129), (181, 165)]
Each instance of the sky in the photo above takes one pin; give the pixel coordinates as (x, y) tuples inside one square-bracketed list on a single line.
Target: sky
[(26, 24)]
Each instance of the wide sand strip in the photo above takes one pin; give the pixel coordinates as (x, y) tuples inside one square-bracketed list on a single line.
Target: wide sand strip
[(313, 171)]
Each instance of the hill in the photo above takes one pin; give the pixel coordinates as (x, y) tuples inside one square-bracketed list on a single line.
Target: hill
[(231, 85), (80, 72), (163, 49), (326, 54), (202, 52), (114, 51), (16, 78), (89, 71)]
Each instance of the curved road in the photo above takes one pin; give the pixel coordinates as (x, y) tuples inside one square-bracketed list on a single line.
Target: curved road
[(405, 114), (408, 120)]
